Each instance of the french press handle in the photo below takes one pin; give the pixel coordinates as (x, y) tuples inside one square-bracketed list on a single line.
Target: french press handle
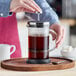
[(53, 40)]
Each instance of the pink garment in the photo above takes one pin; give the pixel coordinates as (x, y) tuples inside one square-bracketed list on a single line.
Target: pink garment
[(9, 34)]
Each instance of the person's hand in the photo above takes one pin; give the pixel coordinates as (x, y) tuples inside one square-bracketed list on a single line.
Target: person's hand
[(24, 6), (59, 36)]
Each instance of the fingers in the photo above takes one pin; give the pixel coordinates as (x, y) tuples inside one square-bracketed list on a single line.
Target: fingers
[(16, 9), (21, 9), (59, 42), (32, 5), (61, 39), (58, 29), (26, 6), (53, 35), (60, 33), (36, 6)]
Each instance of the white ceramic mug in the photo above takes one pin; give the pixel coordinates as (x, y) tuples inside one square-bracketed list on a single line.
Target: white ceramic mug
[(5, 51)]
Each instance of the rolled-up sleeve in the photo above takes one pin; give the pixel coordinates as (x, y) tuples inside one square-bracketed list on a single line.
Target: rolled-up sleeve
[(5, 8), (48, 13)]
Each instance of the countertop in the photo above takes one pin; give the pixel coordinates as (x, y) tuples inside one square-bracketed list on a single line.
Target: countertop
[(67, 72), (71, 22)]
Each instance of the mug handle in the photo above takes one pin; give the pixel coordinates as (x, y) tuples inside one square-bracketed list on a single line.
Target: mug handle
[(53, 40), (14, 48)]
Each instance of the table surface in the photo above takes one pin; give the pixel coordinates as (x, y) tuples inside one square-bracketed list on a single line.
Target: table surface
[(67, 72), (71, 22)]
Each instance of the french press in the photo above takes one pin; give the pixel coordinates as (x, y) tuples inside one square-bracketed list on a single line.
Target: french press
[(38, 42)]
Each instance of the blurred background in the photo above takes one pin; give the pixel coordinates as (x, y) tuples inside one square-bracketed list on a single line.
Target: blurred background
[(66, 10)]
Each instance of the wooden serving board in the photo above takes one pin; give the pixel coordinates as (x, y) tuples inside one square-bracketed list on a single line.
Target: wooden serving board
[(19, 64)]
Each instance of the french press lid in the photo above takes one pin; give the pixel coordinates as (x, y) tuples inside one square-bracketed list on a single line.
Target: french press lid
[(38, 24)]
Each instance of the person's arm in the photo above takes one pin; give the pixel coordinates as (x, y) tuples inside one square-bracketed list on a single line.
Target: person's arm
[(9, 6), (48, 13), (5, 8)]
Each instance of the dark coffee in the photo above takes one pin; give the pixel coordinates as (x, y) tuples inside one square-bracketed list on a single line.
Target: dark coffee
[(38, 47)]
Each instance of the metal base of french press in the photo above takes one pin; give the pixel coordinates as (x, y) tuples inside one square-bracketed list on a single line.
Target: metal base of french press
[(38, 61)]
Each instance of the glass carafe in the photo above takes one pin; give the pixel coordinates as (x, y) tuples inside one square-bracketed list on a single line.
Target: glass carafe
[(38, 42)]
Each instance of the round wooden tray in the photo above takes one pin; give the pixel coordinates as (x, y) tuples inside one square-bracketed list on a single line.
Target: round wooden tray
[(19, 64)]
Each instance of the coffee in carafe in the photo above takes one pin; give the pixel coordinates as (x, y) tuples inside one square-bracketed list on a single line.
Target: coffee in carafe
[(38, 47)]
